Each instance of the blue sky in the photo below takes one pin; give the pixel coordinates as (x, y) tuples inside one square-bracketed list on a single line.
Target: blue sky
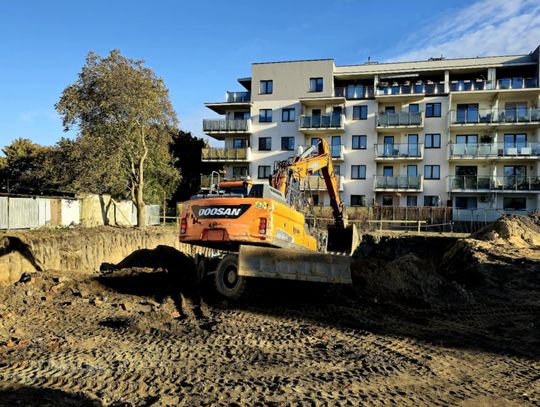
[(200, 48)]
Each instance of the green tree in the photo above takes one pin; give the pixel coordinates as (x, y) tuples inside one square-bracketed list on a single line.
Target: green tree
[(125, 119), (186, 149)]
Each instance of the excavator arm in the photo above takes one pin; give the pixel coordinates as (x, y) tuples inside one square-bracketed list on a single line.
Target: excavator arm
[(304, 165)]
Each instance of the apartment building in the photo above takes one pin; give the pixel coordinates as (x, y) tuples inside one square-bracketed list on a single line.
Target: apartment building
[(443, 132)]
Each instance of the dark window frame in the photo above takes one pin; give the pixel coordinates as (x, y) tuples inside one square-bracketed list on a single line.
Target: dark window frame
[(263, 167), (266, 82), (431, 109), (415, 201), (387, 196), (266, 118), (358, 168), (362, 112), (361, 203), (286, 111), (269, 147), (433, 138), (433, 200), (288, 138), (359, 137), (431, 167), (316, 80)]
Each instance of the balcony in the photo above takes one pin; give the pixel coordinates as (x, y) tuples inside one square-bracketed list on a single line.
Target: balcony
[(226, 155), (329, 123), (399, 120), (354, 92), (462, 151), (224, 126), (436, 88), (400, 183), (405, 151), (238, 97), (513, 183), (316, 183), (489, 117)]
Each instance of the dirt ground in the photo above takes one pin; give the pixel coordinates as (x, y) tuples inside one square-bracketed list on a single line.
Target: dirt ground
[(434, 322)]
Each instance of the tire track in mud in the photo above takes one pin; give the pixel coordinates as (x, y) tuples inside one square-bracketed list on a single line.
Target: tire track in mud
[(269, 354)]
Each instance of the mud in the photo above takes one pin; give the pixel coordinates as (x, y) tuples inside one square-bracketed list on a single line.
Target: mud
[(420, 332)]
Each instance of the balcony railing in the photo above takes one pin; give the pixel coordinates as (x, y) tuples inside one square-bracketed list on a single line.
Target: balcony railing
[(517, 83), (325, 121), (399, 119), (316, 183), (225, 154), (494, 116), (411, 89), (404, 150), (401, 182), (354, 91), (467, 150), (238, 97), (225, 125), (486, 183)]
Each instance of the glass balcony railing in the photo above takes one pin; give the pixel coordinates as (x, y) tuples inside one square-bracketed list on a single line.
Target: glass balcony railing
[(325, 121), (399, 119), (402, 150), (411, 89), (225, 154), (488, 116), (316, 183), (354, 91), (464, 85), (238, 97), (403, 182), (225, 125), (486, 183), (469, 150)]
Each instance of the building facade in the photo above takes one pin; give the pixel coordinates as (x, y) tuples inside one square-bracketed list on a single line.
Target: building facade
[(443, 132)]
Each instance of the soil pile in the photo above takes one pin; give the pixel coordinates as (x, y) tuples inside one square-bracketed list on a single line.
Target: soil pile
[(513, 230), (404, 270)]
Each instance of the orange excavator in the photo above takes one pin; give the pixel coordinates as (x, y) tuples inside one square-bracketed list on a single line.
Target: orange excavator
[(260, 229)]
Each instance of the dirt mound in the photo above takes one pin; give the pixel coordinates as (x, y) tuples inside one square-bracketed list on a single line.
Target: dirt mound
[(406, 279), (519, 231)]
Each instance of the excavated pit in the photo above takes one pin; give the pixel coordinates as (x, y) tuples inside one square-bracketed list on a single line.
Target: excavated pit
[(429, 320)]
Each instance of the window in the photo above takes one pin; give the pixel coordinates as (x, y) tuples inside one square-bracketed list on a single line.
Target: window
[(265, 143), (414, 108), (466, 202), (359, 142), (433, 141), (514, 204), (337, 170), (387, 200), (288, 115), (238, 172), (358, 171), (433, 110), (412, 170), (241, 115), (358, 200), (412, 200), (467, 113), (388, 171), (287, 143), (267, 87), (432, 171), (263, 172), (265, 115), (431, 200), (240, 143), (315, 199), (359, 112), (315, 84)]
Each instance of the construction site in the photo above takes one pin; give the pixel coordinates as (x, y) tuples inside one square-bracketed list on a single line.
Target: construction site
[(116, 316)]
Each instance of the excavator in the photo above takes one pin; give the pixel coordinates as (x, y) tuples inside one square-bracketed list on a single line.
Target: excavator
[(259, 230)]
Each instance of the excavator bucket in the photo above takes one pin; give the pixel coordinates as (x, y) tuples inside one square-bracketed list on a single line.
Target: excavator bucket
[(291, 264), (342, 240)]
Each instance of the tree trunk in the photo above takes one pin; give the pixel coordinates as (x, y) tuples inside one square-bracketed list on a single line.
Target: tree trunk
[(141, 207)]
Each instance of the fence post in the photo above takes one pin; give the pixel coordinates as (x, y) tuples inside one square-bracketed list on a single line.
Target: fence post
[(8, 213)]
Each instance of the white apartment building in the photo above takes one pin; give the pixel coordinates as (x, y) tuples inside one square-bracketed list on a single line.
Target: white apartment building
[(457, 132)]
